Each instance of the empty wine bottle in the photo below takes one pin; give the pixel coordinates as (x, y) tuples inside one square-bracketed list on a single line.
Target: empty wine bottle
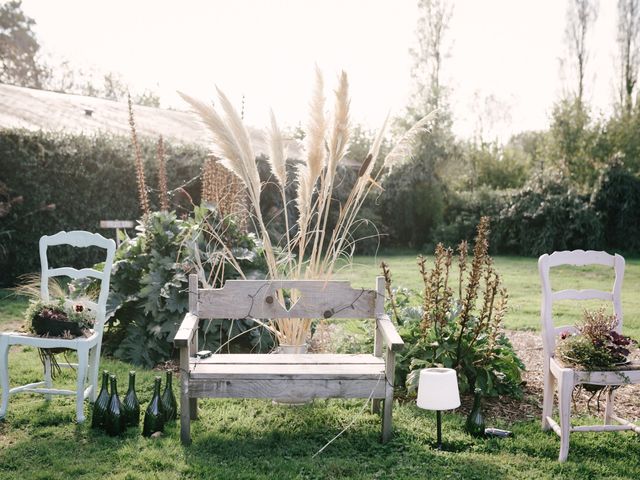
[(475, 420), (154, 415), (130, 404), (114, 422), (101, 403), (169, 403)]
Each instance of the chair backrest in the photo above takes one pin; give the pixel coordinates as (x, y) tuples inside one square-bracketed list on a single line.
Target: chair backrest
[(79, 239), (549, 296), (262, 299)]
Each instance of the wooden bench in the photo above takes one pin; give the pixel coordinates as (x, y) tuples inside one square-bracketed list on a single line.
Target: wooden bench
[(286, 377)]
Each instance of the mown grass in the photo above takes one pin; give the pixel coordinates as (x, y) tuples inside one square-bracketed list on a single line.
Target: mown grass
[(253, 439)]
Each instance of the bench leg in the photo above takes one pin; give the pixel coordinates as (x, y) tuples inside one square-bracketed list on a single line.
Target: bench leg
[(193, 408), (185, 401), (386, 416), (185, 419)]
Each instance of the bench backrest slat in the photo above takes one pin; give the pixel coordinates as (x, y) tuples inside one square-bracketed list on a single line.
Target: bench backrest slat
[(260, 299)]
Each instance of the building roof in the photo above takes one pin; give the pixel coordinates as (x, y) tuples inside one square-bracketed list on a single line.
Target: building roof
[(52, 111)]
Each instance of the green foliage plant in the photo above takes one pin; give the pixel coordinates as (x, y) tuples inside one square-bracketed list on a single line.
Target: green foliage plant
[(149, 294), (458, 324)]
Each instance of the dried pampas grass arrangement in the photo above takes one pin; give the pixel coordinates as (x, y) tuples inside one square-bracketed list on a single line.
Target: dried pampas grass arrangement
[(309, 251)]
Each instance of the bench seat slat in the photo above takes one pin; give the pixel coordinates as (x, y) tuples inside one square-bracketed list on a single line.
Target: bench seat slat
[(286, 358), (286, 371), (287, 390)]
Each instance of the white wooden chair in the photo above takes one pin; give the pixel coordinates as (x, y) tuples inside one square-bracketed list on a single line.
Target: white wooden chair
[(87, 348), (567, 378)]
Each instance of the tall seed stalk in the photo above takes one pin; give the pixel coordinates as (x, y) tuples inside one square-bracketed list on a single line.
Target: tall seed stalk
[(162, 177), (143, 197)]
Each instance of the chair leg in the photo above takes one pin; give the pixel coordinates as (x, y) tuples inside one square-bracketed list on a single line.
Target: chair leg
[(608, 409), (4, 374), (83, 360), (94, 370), (48, 382), (565, 387), (547, 401)]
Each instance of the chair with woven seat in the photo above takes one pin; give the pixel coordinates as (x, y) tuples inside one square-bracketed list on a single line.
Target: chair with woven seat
[(566, 377), (87, 348)]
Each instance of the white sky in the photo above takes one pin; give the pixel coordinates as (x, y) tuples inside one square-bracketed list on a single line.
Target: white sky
[(267, 50)]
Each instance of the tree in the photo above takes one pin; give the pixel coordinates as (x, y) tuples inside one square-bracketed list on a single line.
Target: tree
[(433, 24), (581, 14), (19, 47), (628, 51), (413, 203)]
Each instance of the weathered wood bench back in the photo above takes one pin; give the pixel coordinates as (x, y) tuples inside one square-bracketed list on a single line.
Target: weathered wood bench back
[(261, 299), (286, 376)]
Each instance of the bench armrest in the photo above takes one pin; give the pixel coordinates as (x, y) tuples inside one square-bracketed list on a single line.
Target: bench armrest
[(188, 328), (389, 333)]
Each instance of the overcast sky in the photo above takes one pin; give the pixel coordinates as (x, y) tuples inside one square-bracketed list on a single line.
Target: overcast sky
[(267, 50)]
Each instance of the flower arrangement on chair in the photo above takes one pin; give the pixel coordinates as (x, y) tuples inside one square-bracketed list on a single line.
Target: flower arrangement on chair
[(596, 346)]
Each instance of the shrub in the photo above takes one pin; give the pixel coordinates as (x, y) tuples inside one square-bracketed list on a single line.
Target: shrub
[(617, 201), (149, 294), (463, 211), (71, 182), (462, 333), (545, 216)]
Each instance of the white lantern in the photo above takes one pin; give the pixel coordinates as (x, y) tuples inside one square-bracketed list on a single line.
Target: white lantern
[(438, 390)]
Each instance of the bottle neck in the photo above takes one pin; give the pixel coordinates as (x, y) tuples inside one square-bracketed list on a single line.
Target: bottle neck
[(105, 380), (114, 387), (156, 387), (132, 381), (168, 380), (477, 399)]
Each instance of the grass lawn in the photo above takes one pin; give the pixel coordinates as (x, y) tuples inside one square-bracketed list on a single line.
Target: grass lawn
[(253, 439), (520, 277)]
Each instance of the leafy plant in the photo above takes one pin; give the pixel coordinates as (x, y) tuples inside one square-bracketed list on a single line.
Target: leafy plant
[(596, 345), (463, 332), (149, 294)]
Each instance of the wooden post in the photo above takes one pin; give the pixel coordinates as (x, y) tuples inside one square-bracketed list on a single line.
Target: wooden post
[(117, 225)]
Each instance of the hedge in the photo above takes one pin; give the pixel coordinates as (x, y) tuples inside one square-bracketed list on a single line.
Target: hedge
[(88, 179)]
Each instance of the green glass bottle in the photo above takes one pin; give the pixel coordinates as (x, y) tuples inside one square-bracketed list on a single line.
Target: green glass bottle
[(475, 420), (169, 402), (114, 423), (154, 415), (130, 403), (101, 403)]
